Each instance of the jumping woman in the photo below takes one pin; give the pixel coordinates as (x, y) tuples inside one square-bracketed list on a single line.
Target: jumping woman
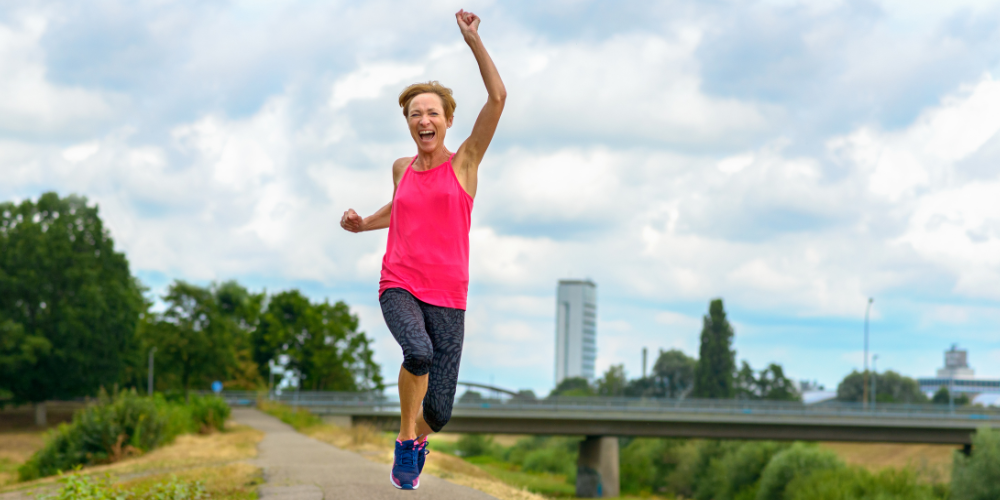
[(425, 271)]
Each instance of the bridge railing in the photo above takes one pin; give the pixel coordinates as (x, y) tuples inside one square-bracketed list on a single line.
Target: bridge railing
[(379, 402)]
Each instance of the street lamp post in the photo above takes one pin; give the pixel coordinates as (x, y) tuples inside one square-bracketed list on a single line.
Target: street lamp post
[(864, 383), (150, 385), (874, 376)]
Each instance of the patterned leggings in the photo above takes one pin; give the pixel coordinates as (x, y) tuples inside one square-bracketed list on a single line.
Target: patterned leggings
[(431, 338)]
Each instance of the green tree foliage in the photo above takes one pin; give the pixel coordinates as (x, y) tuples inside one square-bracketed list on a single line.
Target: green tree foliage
[(573, 386), (977, 477), (68, 303), (672, 377), (856, 483), (943, 397), (890, 387), (735, 474), (322, 343), (716, 358), (196, 343), (770, 384), (613, 382), (798, 460)]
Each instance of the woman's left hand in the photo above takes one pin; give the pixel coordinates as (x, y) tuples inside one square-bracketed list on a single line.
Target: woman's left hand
[(467, 22)]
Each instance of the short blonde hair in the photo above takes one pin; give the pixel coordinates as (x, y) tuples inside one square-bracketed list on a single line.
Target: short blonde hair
[(432, 87)]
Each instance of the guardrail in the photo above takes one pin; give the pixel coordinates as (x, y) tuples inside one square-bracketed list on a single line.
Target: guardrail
[(379, 403)]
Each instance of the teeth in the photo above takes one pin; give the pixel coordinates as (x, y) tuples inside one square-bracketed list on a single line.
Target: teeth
[(426, 132)]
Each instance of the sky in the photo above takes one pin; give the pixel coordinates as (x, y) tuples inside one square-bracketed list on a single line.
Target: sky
[(791, 157)]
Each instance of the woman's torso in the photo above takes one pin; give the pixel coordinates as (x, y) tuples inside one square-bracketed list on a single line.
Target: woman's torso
[(427, 252)]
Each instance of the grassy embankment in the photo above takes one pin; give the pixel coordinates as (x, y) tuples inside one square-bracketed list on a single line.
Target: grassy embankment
[(211, 461)]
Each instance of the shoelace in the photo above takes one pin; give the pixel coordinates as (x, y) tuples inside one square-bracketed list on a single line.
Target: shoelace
[(405, 459)]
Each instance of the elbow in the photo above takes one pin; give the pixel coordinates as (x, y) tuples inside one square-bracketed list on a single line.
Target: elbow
[(499, 97)]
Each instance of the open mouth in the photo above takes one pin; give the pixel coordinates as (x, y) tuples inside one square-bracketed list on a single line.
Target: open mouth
[(426, 135)]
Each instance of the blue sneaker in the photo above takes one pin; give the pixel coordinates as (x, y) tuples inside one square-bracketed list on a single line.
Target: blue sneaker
[(422, 453), (405, 473)]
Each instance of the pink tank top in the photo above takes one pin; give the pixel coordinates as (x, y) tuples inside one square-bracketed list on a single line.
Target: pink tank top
[(428, 249)]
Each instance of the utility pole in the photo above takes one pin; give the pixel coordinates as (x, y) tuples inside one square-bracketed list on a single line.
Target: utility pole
[(643, 362), (864, 382), (874, 375), (150, 385)]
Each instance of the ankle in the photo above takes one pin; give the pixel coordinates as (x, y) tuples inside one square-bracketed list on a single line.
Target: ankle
[(401, 437)]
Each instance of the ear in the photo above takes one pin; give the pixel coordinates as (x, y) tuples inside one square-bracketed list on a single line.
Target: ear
[(451, 121)]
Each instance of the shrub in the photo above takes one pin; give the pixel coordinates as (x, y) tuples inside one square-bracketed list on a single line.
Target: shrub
[(556, 455), (855, 483), (474, 445), (120, 426), (735, 474), (116, 427), (977, 477), (209, 413), (692, 475), (798, 460)]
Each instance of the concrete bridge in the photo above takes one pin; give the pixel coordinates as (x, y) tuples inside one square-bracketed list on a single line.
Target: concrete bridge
[(602, 420)]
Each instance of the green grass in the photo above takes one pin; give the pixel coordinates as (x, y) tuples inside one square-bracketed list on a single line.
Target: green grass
[(553, 485), (296, 417)]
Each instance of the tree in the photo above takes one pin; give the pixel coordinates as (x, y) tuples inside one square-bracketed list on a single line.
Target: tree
[(716, 358), (573, 386), (770, 384), (890, 387), (943, 397), (195, 341), (322, 343), (672, 377), (613, 382), (68, 302), (243, 309), (977, 477)]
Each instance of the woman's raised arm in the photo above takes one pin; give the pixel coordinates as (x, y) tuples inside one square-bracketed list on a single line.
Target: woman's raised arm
[(473, 149)]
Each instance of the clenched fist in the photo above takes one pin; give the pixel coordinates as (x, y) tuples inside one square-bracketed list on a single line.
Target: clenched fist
[(351, 221)]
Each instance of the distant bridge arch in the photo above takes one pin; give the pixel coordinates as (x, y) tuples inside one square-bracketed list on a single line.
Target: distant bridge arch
[(479, 386)]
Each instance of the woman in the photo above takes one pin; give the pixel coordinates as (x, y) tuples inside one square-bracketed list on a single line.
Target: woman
[(425, 271)]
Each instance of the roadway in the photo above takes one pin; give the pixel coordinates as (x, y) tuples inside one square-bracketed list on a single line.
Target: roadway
[(673, 418)]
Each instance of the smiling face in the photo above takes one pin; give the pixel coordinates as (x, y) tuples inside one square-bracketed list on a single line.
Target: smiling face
[(427, 121)]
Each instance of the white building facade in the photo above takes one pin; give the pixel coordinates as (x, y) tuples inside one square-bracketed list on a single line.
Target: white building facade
[(576, 329)]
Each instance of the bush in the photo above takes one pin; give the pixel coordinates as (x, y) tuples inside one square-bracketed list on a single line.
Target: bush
[(736, 473), (209, 413), (692, 475), (855, 483), (797, 461), (80, 487), (474, 445), (555, 455), (119, 426), (978, 477)]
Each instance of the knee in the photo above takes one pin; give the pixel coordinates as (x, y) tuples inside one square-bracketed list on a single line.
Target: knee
[(436, 418), (418, 362)]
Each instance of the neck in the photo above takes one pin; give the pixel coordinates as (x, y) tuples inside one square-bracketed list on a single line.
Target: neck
[(427, 161)]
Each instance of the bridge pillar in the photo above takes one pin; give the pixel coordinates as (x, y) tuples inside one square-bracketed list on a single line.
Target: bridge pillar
[(597, 467)]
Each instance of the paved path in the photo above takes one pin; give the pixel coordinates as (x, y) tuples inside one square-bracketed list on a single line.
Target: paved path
[(297, 467)]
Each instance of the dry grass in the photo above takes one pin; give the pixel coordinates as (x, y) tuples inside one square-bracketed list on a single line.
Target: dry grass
[(212, 458), (377, 446), (931, 461), (15, 449)]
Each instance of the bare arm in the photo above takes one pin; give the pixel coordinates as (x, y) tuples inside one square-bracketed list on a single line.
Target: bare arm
[(470, 154), (353, 222)]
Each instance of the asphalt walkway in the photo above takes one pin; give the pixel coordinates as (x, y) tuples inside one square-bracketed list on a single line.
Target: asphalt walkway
[(297, 467)]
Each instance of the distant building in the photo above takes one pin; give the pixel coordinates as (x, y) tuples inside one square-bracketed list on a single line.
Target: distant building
[(576, 329), (958, 376), (956, 364)]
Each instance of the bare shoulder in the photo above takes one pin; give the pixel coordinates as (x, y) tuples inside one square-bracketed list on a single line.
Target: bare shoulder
[(399, 166)]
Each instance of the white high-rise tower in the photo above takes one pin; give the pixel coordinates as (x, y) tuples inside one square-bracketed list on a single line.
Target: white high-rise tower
[(576, 329)]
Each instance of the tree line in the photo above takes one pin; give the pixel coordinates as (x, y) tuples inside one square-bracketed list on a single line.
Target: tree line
[(74, 319), (713, 375)]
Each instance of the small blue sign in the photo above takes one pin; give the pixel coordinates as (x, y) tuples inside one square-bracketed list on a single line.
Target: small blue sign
[(216, 387)]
